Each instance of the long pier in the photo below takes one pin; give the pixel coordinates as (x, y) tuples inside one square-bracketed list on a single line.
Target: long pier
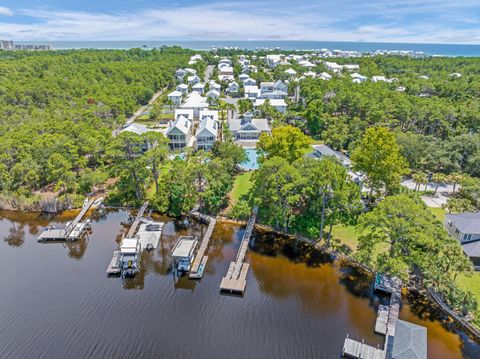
[(136, 222), (236, 278), (72, 231), (200, 261)]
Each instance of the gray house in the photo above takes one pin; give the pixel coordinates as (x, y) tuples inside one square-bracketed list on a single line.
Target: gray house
[(465, 227)]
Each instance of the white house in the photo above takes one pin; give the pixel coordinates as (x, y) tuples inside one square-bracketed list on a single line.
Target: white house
[(357, 76), (184, 112), (190, 71), (273, 60), (274, 95), (196, 57), (224, 62), (183, 88), (379, 79), (195, 102), (249, 82), (137, 128), (333, 66), (291, 72), (252, 92), (198, 87), (267, 86), (456, 75), (306, 64), (248, 128), (232, 88), (214, 86), (280, 86), (310, 74), (207, 134), (225, 73), (175, 97), (243, 77), (213, 94), (325, 76), (278, 104), (193, 79), (180, 74), (465, 227), (213, 114), (351, 67), (179, 133)]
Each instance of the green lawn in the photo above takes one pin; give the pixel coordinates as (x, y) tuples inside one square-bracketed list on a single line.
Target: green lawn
[(348, 235), (439, 213), (241, 186), (471, 284)]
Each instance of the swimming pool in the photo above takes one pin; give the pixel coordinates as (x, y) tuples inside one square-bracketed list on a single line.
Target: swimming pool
[(252, 161)]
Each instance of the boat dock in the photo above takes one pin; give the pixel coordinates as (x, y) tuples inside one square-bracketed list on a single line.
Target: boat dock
[(200, 261), (114, 266), (385, 324), (360, 350), (236, 278), (136, 222), (73, 230), (149, 234)]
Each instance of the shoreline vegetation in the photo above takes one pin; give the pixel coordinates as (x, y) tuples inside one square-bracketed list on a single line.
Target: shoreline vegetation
[(60, 142)]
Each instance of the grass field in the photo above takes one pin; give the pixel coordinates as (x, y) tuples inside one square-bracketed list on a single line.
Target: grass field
[(471, 284), (439, 213), (241, 187)]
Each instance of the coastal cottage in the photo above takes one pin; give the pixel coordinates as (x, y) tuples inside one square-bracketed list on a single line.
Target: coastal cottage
[(325, 76), (179, 133), (193, 79), (357, 76), (195, 102), (183, 88), (280, 86), (249, 82), (213, 94), (333, 66), (273, 60), (225, 73), (207, 133), (180, 74), (213, 114), (190, 71), (267, 87), (232, 88), (352, 67), (252, 92), (379, 79), (248, 128), (184, 112), (214, 86), (242, 77), (291, 72), (175, 97), (465, 227), (137, 128), (198, 87), (277, 104)]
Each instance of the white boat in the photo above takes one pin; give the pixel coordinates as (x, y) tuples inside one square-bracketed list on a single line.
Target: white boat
[(130, 256), (184, 253)]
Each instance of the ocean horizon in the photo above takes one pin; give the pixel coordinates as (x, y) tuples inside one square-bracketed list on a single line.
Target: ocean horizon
[(450, 50)]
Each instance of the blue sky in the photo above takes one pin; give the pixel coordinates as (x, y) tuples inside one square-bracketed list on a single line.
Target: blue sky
[(423, 21)]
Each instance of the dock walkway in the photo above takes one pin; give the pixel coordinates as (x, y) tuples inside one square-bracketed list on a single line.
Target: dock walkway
[(200, 261), (385, 324), (236, 278), (136, 222), (72, 231)]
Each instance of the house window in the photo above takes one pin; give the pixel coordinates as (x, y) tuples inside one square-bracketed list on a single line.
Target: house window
[(467, 237)]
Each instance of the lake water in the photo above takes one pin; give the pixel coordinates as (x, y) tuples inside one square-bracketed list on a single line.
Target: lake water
[(431, 49), (57, 302)]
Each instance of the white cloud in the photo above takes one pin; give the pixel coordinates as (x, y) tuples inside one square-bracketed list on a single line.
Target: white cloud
[(5, 11), (376, 21)]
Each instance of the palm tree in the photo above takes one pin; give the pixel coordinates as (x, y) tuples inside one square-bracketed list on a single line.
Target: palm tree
[(454, 178), (438, 178)]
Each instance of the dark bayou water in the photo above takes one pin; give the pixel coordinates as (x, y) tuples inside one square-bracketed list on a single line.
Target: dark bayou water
[(57, 302)]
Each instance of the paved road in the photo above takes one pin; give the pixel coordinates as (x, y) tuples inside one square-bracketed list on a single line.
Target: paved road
[(209, 72), (143, 108)]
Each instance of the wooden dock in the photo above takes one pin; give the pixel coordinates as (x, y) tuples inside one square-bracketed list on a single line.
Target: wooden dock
[(114, 266), (136, 222), (235, 280), (200, 261), (53, 234), (360, 350)]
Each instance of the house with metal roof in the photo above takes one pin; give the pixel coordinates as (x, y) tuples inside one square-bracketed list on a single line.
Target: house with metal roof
[(278, 104), (248, 128), (410, 341), (195, 102), (175, 97), (207, 133), (465, 227), (179, 133)]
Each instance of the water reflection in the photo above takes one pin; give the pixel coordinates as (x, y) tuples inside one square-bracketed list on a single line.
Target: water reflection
[(298, 303), (16, 235)]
